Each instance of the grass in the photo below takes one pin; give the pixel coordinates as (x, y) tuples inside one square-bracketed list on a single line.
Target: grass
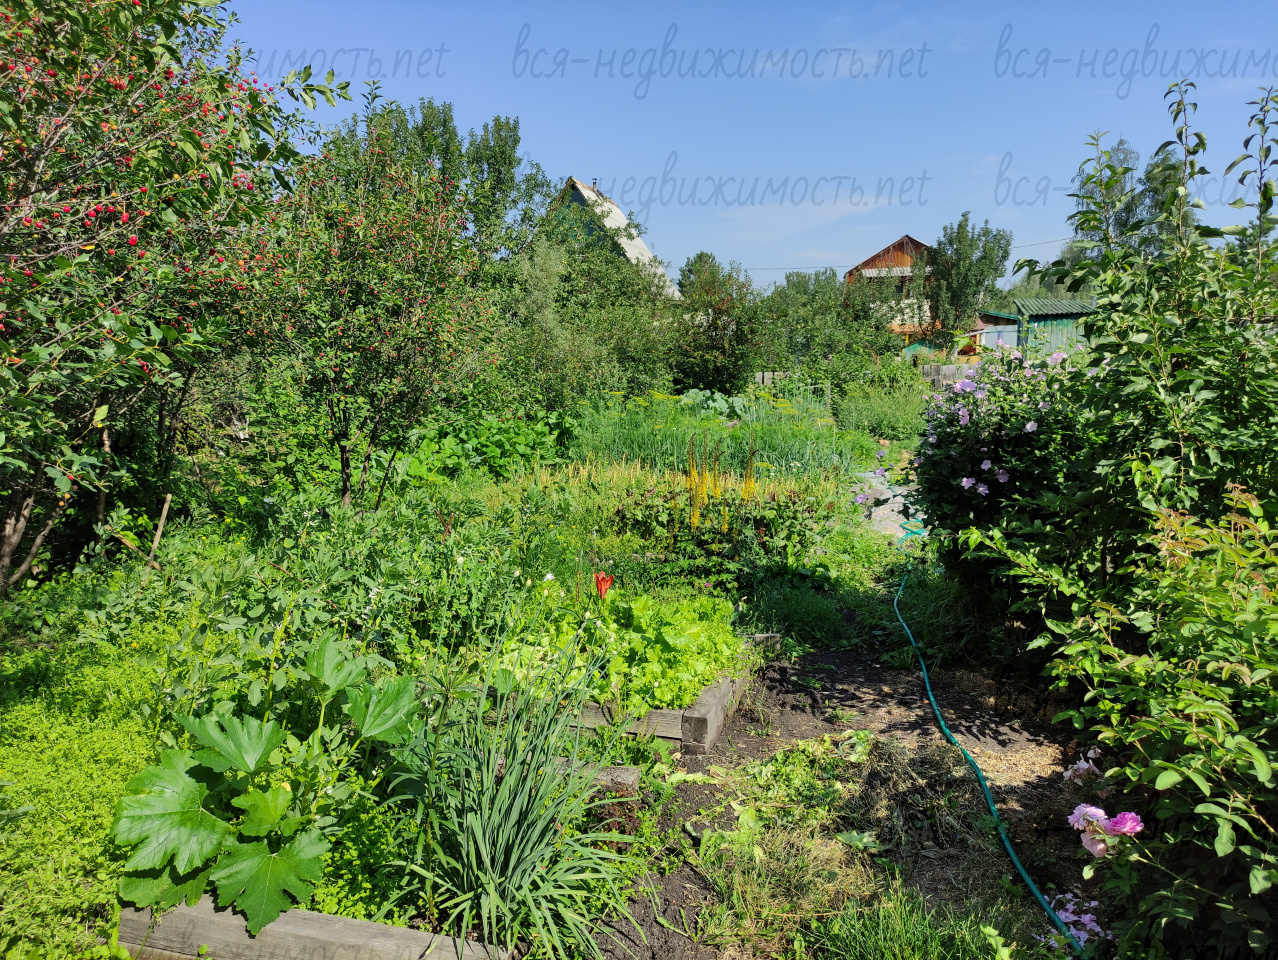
[(789, 439), (898, 924), (824, 860), (883, 413)]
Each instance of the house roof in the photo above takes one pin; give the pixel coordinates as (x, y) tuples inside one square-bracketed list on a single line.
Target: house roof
[(632, 245), (1052, 307), (894, 260), (997, 315)]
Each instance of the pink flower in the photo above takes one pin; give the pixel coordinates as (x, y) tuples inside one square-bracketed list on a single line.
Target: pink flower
[(1085, 815), (1031, 427), (986, 465), (1096, 844), (1081, 769), (1123, 825), (861, 498), (1003, 476), (967, 482), (982, 489)]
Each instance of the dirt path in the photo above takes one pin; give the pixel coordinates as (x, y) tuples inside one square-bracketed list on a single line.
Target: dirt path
[(1005, 726)]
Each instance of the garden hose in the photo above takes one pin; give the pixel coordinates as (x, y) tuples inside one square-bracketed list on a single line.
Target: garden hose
[(916, 528)]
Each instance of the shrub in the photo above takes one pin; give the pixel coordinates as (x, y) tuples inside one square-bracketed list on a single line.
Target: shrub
[(1180, 688), (1165, 624)]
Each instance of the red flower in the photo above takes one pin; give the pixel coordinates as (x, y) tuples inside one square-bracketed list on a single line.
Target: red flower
[(603, 583)]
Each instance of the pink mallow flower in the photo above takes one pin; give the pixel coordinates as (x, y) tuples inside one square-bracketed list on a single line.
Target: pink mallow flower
[(1003, 476), (967, 482), (1031, 427), (982, 489)]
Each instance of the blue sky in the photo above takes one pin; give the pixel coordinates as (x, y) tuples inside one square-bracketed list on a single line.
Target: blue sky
[(882, 119)]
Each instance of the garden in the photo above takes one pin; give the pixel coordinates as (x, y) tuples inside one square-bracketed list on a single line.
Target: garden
[(363, 508)]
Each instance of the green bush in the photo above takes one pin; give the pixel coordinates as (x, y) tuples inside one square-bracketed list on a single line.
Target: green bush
[(499, 445), (1180, 693), (1071, 482)]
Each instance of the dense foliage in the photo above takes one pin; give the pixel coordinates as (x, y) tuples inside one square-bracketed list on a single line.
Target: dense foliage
[(1128, 489)]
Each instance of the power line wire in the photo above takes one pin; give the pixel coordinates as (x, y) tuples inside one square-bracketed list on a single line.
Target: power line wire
[(842, 266)]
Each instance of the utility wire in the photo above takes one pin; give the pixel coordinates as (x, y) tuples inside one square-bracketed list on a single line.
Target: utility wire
[(842, 266)]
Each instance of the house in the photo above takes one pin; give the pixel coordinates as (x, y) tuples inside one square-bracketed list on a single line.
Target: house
[(994, 327), (629, 243), (894, 260), (897, 260)]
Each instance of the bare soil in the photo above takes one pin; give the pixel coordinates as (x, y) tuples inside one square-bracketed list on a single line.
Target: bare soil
[(1003, 723)]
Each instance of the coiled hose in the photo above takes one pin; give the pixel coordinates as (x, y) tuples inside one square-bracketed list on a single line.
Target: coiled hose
[(916, 528)]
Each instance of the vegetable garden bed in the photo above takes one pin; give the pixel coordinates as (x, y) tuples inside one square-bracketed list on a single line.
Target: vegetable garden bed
[(203, 931), (693, 730)]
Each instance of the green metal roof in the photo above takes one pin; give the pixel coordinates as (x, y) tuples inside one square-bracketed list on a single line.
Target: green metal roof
[(1052, 307), (996, 313)]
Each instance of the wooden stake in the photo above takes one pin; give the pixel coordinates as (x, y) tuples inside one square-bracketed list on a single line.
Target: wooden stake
[(164, 513)]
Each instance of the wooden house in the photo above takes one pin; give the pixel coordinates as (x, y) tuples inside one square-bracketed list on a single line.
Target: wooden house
[(896, 260)]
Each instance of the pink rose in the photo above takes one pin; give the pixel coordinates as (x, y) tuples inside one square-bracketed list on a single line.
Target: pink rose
[(1123, 825), (1085, 815), (1096, 844)]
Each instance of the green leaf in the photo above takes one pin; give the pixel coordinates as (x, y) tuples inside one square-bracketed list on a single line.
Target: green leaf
[(1168, 779), (243, 741), (1262, 879), (264, 809), (163, 888), (383, 712), (256, 880), (164, 812), (1264, 770), (1224, 838), (330, 668)]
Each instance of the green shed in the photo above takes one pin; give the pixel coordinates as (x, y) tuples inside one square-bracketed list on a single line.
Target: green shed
[(1049, 323)]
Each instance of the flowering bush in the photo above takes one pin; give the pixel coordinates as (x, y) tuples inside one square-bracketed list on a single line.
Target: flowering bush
[(1136, 523), (1003, 433)]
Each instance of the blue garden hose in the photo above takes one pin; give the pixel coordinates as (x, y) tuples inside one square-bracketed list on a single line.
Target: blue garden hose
[(916, 528)]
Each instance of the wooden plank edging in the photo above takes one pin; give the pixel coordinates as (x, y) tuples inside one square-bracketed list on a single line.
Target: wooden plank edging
[(296, 935)]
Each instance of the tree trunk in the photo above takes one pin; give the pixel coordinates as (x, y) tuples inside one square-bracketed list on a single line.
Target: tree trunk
[(382, 489), (373, 434), (37, 543), (102, 487), (15, 526)]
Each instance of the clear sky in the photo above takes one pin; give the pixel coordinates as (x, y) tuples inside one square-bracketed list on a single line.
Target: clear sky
[(879, 118)]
